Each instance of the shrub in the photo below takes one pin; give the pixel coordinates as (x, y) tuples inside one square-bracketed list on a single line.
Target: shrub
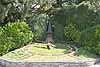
[(72, 33), (6, 44), (19, 31), (90, 39), (15, 35), (1, 30)]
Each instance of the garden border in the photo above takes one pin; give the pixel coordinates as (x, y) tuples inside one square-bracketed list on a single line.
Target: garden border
[(8, 63)]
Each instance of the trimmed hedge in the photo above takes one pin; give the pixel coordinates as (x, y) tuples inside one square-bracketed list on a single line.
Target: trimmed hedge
[(15, 35)]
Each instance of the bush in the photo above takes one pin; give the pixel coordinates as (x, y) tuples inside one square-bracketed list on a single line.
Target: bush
[(6, 44), (90, 39), (1, 30), (15, 35), (72, 33)]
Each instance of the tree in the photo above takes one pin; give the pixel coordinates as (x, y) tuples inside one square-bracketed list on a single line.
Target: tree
[(14, 10)]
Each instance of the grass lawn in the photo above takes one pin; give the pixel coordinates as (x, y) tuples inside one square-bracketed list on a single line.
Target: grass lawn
[(39, 52)]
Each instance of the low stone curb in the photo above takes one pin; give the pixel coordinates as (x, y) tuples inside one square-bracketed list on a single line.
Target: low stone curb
[(7, 63)]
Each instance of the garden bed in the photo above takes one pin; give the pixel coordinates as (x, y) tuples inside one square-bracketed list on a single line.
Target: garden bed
[(39, 52)]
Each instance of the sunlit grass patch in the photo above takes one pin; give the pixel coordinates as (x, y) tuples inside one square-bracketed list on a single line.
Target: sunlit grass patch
[(39, 52)]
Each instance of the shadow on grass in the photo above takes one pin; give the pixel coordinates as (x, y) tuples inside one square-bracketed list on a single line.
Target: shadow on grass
[(40, 47), (85, 53), (80, 52), (63, 46)]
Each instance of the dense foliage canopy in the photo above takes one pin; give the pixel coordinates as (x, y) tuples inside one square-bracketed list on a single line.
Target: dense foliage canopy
[(72, 20)]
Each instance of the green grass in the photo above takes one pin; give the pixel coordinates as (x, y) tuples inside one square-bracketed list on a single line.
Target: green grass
[(16, 55), (39, 52), (84, 54), (42, 49)]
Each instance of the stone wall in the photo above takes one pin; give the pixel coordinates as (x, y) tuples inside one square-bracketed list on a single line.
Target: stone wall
[(5, 63)]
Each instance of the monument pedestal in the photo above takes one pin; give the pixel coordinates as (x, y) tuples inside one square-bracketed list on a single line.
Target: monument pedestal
[(49, 38)]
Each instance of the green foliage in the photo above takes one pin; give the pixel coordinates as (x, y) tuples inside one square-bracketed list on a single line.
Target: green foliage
[(38, 23), (84, 53), (90, 39), (83, 26), (5, 44), (1, 30), (58, 34), (18, 10), (79, 17), (15, 35), (72, 33), (19, 31), (70, 20), (14, 10)]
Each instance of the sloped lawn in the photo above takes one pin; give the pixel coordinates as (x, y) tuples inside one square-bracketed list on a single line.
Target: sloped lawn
[(39, 52)]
